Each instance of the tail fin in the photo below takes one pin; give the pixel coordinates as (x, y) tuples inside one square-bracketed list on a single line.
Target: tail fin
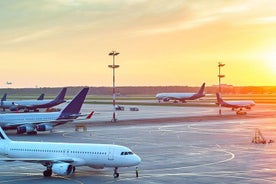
[(219, 99), (3, 135), (74, 106), (61, 95), (4, 98), (41, 97), (201, 90)]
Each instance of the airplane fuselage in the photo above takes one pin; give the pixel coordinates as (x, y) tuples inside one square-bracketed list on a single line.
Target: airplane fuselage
[(28, 104), (13, 119), (238, 104), (178, 96)]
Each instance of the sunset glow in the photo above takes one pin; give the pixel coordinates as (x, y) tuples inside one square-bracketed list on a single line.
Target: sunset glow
[(66, 42)]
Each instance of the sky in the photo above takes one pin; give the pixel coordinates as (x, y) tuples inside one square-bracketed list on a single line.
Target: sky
[(56, 43)]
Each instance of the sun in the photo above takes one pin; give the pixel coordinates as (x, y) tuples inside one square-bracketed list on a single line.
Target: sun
[(271, 59)]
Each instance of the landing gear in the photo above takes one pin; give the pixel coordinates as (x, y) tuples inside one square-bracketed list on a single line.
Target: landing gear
[(116, 174), (47, 173)]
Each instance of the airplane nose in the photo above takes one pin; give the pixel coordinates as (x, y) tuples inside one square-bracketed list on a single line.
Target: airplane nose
[(137, 160)]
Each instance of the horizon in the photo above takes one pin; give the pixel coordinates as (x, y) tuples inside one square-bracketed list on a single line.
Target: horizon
[(189, 86), (66, 43)]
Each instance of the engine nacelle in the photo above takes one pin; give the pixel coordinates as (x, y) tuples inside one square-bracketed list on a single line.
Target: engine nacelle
[(43, 127), (63, 169), (166, 99), (24, 129), (13, 108)]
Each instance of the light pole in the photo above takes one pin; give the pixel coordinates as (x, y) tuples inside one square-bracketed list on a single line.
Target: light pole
[(220, 76), (113, 66)]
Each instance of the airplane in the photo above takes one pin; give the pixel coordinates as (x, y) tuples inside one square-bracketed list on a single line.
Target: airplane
[(34, 105), (30, 123), (63, 158), (247, 104), (181, 96)]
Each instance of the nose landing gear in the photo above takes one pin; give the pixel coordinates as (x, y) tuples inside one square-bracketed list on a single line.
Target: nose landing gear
[(116, 174)]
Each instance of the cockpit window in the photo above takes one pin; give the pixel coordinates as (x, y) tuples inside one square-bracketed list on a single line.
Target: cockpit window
[(126, 153)]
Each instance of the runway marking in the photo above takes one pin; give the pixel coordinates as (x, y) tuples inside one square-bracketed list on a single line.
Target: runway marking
[(29, 178), (210, 174)]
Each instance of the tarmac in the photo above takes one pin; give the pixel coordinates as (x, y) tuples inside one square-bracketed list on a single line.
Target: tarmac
[(177, 145)]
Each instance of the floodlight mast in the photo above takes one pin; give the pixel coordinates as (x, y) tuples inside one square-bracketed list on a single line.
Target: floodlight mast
[(113, 66), (220, 76)]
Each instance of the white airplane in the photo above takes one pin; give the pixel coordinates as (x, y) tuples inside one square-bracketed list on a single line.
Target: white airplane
[(181, 96), (62, 158), (32, 122), (34, 105), (235, 104)]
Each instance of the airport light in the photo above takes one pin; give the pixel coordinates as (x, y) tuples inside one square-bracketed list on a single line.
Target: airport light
[(113, 66), (220, 76)]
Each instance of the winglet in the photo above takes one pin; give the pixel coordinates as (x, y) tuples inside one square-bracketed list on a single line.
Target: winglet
[(90, 115), (75, 105), (3, 135)]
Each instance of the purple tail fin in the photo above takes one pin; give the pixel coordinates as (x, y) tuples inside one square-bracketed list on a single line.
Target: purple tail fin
[(4, 98), (61, 95), (74, 106), (201, 90), (41, 97)]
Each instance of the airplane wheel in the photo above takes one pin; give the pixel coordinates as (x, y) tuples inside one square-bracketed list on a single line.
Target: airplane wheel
[(47, 173), (116, 175), (32, 133)]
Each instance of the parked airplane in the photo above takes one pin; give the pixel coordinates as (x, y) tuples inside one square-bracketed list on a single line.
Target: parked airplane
[(235, 104), (181, 96), (32, 122), (34, 105), (62, 158)]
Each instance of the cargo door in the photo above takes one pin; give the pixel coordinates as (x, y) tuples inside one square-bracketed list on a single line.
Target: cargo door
[(110, 153)]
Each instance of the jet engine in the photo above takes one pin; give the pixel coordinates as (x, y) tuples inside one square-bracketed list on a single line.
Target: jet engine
[(24, 128), (13, 108), (63, 169), (166, 99), (44, 127)]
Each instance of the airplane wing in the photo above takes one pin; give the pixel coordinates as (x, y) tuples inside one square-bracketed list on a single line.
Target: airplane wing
[(15, 124)]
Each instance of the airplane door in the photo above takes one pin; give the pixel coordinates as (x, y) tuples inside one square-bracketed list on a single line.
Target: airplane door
[(110, 153), (65, 152)]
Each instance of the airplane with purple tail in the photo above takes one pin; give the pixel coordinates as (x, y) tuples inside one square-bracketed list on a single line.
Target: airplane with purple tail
[(30, 123)]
